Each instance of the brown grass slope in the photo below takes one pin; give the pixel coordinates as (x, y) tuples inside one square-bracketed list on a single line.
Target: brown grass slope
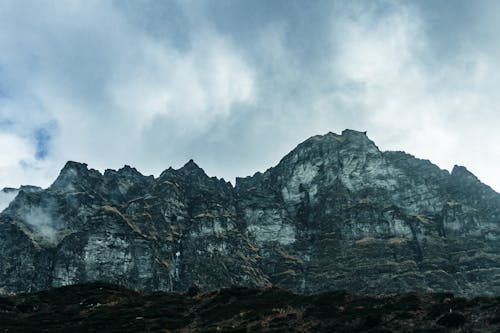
[(107, 308)]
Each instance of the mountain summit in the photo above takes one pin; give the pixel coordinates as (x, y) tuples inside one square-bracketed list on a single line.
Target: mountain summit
[(335, 213)]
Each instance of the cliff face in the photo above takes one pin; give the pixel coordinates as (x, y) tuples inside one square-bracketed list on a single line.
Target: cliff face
[(335, 213)]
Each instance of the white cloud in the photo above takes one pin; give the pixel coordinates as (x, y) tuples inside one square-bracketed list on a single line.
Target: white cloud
[(17, 162), (106, 82), (192, 87), (6, 198), (123, 89), (14, 149), (444, 112)]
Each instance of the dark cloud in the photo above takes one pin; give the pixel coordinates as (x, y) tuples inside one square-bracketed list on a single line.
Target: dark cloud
[(237, 84)]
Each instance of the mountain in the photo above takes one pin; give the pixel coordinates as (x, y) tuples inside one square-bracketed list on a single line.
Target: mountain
[(336, 213)]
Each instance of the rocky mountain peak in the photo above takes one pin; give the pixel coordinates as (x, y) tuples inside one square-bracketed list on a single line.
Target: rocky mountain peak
[(129, 171), (192, 167), (189, 168), (358, 141), (325, 147), (355, 135), (72, 167), (9, 190), (30, 188), (462, 173), (335, 213), (126, 174), (76, 176)]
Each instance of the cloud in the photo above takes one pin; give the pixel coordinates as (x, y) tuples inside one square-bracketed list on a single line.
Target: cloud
[(104, 83), (43, 225), (437, 108), (236, 85), (17, 160), (6, 198)]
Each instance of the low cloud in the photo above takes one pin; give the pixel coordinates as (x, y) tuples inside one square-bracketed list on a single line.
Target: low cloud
[(42, 224), (6, 198)]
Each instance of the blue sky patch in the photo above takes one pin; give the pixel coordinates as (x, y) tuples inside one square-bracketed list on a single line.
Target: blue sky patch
[(43, 137), (6, 124)]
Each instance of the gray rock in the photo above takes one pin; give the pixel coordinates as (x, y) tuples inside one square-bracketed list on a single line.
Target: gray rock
[(335, 213)]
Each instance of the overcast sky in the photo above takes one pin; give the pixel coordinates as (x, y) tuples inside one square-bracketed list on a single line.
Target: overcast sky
[(236, 85)]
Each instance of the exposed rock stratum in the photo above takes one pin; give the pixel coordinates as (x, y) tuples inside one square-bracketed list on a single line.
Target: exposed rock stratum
[(336, 213)]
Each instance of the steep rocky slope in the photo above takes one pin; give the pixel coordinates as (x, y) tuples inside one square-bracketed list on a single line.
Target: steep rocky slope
[(335, 213), (107, 308)]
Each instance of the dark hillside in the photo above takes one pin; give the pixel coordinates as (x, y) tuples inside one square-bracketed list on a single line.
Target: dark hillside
[(107, 308)]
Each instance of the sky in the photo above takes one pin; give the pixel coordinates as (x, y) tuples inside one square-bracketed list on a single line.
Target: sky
[(236, 85)]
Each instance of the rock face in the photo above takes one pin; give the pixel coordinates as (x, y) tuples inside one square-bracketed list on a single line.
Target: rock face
[(335, 213)]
